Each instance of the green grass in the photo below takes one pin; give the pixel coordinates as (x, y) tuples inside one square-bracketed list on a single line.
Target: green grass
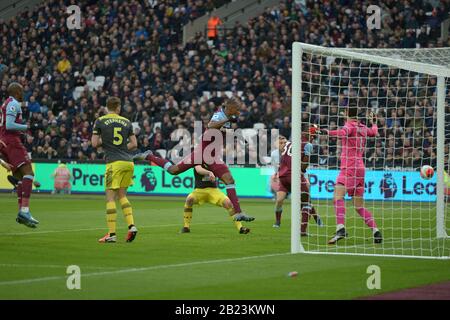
[(212, 262)]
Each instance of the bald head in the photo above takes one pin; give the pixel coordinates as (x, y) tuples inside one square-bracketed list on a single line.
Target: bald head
[(16, 90)]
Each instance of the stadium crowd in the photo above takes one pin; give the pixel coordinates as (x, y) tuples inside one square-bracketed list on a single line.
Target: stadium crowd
[(137, 47)]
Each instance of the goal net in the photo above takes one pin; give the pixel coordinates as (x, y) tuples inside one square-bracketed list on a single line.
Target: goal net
[(409, 91)]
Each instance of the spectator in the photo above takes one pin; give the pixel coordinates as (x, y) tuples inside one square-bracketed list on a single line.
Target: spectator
[(64, 64), (62, 177), (213, 23)]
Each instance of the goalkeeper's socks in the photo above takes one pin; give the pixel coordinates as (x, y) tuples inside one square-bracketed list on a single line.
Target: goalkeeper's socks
[(367, 216), (231, 192), (339, 209), (187, 218)]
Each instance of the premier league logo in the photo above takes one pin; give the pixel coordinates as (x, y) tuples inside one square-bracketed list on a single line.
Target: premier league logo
[(388, 187), (148, 180)]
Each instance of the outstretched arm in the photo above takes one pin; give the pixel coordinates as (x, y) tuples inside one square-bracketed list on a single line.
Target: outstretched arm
[(342, 132)]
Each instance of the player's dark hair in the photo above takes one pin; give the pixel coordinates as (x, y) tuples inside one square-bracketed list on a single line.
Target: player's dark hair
[(352, 111), (113, 103)]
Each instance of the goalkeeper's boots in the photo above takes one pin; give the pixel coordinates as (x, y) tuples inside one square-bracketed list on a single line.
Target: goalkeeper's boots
[(243, 217), (142, 156), (26, 219), (340, 234), (377, 237), (132, 232), (108, 238), (244, 230), (276, 225), (185, 230)]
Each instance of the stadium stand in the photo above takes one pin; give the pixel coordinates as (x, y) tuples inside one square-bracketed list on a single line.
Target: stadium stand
[(134, 50)]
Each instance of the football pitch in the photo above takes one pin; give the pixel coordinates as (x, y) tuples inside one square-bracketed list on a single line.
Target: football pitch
[(211, 262)]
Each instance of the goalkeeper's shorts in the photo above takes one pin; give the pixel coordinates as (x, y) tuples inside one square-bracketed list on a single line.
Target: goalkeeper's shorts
[(353, 181)]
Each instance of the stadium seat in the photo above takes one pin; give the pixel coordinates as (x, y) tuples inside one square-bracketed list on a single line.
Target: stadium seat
[(267, 160), (93, 85), (77, 92), (162, 152), (100, 80), (136, 126), (249, 134), (259, 125), (156, 125)]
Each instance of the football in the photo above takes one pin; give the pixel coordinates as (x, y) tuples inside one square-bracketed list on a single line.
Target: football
[(426, 172)]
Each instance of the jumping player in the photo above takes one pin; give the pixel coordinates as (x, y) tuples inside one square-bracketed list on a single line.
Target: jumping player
[(115, 135), (284, 175), (353, 138), (14, 152), (220, 120), (206, 191)]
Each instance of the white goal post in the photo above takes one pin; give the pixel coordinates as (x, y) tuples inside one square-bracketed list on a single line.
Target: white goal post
[(409, 91)]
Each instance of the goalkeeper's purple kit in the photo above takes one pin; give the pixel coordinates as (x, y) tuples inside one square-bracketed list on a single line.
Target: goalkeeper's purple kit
[(353, 138)]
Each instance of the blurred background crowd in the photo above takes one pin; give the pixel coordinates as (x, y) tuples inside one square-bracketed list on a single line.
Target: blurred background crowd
[(134, 50)]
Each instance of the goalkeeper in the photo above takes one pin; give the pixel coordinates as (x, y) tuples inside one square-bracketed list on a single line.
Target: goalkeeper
[(351, 176), (206, 191)]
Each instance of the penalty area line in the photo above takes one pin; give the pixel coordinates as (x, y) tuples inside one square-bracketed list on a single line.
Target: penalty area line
[(93, 229), (142, 269)]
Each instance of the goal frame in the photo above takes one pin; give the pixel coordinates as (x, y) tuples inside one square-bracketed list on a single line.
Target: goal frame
[(298, 48)]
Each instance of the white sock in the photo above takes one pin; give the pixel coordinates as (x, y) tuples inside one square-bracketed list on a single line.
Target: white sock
[(375, 230), (339, 227), (25, 209)]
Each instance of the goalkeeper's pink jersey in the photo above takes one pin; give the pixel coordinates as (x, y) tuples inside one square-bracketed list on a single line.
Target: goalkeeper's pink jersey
[(353, 137)]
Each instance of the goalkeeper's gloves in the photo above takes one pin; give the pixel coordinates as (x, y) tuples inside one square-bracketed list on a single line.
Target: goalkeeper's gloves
[(233, 118), (314, 129)]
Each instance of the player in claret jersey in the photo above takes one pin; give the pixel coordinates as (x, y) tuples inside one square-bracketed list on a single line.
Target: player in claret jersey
[(221, 119), (14, 152), (284, 175), (353, 138)]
